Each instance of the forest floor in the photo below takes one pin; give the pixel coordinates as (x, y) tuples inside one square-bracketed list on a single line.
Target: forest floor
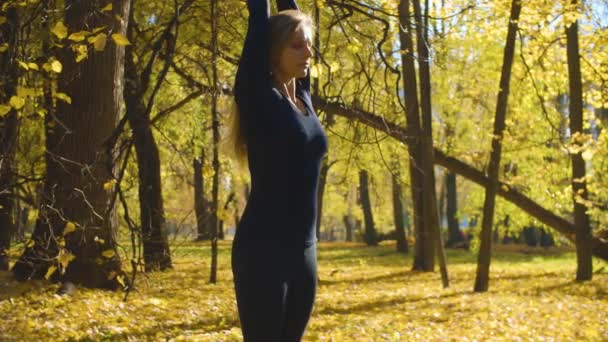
[(364, 294)]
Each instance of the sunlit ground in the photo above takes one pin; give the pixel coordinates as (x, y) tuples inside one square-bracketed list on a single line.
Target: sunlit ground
[(365, 294)]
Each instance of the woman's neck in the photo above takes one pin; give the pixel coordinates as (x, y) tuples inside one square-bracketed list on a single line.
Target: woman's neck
[(287, 86)]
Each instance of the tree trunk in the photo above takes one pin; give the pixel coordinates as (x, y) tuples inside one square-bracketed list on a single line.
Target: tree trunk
[(584, 269), (156, 246), (79, 167), (9, 123), (423, 257), (431, 216), (320, 192), (483, 260), (370, 236), (200, 204), (455, 237), (216, 140), (398, 216)]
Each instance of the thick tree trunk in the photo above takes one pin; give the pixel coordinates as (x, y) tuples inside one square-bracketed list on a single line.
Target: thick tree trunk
[(370, 236), (599, 247), (423, 248), (152, 215), (455, 236), (584, 270), (483, 260), (79, 167), (9, 34), (431, 216), (398, 216)]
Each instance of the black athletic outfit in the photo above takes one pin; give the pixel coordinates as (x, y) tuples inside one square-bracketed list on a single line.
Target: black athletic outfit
[(274, 260)]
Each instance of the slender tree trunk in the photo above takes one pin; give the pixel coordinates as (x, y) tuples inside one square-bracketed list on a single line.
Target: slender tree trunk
[(9, 34), (455, 236), (200, 204), (216, 141), (423, 257), (79, 167), (370, 236), (152, 215), (320, 192), (431, 216), (584, 269), (401, 241), (483, 259)]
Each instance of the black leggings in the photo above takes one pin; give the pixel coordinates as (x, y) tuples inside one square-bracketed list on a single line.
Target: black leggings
[(275, 292)]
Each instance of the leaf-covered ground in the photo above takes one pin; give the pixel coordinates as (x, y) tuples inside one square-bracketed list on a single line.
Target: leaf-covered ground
[(365, 294)]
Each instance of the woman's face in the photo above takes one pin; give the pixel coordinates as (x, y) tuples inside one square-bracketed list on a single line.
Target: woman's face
[(295, 57)]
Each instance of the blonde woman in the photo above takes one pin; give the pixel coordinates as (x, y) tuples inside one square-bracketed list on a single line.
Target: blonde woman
[(274, 260)]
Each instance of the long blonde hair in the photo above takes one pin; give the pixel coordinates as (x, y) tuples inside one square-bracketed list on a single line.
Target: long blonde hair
[(282, 26)]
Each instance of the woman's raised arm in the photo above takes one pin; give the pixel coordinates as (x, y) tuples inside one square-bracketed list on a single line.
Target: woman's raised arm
[(253, 74)]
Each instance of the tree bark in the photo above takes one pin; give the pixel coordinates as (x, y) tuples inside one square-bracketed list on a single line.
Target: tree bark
[(423, 257), (200, 205), (152, 215), (320, 192), (599, 247), (370, 236), (216, 141), (9, 127), (483, 260), (431, 216), (455, 236), (401, 241), (79, 167), (584, 269)]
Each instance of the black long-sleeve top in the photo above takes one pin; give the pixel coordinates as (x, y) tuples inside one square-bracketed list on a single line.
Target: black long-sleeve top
[(285, 147)]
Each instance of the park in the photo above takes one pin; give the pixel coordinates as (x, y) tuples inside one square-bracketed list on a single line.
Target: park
[(445, 160)]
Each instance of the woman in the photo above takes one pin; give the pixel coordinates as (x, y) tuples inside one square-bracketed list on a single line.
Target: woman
[(274, 249)]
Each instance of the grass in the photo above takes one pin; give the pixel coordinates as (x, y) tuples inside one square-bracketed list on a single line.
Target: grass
[(365, 294)]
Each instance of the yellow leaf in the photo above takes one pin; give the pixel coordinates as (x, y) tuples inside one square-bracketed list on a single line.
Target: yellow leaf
[(17, 102), (30, 243), (120, 39), (26, 92), (56, 66), (82, 52), (65, 257), (109, 185), (63, 97), (33, 66), (23, 65), (108, 8), (60, 30), (99, 41), (69, 227), (3, 47), (4, 109), (98, 240), (78, 36), (121, 280), (2, 20), (50, 272), (108, 253)]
